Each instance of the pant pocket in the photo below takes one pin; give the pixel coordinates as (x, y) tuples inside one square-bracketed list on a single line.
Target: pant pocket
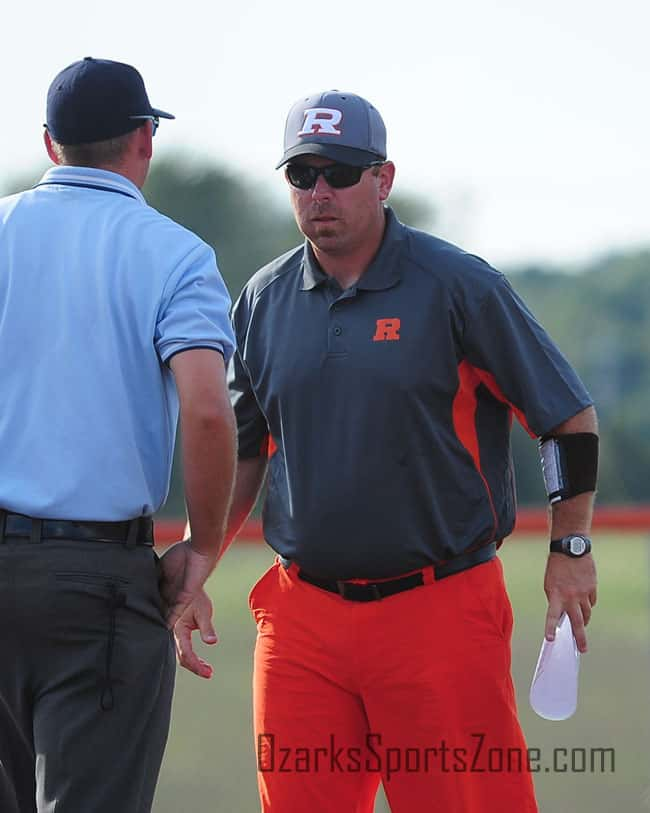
[(90, 603), (487, 588), (261, 586), (161, 604)]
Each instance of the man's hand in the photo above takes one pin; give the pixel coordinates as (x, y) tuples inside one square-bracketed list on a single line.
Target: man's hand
[(198, 616), (184, 572), (570, 586)]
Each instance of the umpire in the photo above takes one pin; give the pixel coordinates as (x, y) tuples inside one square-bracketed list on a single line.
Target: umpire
[(113, 319)]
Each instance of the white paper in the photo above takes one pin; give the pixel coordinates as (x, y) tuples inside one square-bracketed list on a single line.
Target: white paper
[(554, 688)]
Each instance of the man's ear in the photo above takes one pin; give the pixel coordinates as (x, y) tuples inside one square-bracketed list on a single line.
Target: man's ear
[(143, 137), (47, 140), (386, 177)]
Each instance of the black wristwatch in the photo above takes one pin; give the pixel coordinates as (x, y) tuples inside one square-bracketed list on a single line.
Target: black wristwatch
[(574, 545)]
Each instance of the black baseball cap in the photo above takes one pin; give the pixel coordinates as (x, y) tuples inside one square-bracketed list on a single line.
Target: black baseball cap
[(336, 125), (97, 99)]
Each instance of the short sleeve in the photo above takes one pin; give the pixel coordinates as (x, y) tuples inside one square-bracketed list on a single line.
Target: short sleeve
[(252, 428), (194, 308), (503, 338)]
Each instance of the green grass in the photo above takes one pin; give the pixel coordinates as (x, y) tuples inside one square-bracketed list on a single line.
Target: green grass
[(613, 701), (209, 764)]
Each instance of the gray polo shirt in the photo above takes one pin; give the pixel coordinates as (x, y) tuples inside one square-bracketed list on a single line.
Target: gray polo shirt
[(386, 408)]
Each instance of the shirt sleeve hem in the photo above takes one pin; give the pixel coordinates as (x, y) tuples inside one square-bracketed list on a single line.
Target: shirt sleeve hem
[(173, 353), (579, 405)]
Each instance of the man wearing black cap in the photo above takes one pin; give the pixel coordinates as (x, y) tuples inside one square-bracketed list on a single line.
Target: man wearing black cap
[(376, 374), (113, 320)]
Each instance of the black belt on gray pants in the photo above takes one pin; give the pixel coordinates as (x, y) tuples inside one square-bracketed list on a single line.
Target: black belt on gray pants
[(21, 528), (382, 589)]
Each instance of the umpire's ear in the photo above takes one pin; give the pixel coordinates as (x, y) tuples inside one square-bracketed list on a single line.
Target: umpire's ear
[(48, 146), (142, 141)]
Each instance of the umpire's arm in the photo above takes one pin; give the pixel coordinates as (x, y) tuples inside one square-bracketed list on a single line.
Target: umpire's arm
[(208, 449), (207, 424)]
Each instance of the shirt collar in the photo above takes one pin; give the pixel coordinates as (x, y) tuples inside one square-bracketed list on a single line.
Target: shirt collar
[(91, 178), (383, 272)]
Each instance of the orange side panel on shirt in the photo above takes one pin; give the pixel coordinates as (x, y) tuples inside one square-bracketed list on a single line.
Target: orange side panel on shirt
[(464, 414), (268, 447)]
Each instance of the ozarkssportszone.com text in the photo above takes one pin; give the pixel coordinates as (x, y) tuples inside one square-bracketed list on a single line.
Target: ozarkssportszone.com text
[(376, 757)]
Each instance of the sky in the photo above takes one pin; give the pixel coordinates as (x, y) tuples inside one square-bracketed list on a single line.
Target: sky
[(526, 125)]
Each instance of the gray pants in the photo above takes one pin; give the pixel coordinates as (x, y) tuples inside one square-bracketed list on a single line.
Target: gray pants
[(86, 677)]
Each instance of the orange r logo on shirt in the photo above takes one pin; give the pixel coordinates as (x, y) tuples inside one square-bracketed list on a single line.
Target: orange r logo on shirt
[(387, 330)]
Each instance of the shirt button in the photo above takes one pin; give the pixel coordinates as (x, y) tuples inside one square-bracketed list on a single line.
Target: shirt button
[(338, 331)]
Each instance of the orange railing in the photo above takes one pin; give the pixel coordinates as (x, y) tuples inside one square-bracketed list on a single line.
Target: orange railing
[(620, 518)]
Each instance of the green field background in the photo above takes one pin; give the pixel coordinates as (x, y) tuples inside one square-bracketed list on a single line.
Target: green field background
[(210, 766)]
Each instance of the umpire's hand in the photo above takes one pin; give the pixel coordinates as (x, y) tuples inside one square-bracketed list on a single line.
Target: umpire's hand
[(198, 616), (184, 571)]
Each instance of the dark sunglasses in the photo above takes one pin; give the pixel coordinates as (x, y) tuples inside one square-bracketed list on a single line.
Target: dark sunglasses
[(338, 176)]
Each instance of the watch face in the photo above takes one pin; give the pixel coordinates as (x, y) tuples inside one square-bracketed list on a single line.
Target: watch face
[(577, 545)]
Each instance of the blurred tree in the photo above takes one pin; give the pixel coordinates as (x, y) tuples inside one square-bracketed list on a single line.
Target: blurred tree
[(416, 212), (239, 220), (245, 225), (600, 318), (19, 182)]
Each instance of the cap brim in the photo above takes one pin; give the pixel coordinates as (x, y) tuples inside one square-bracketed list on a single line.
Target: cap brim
[(161, 114), (336, 152)]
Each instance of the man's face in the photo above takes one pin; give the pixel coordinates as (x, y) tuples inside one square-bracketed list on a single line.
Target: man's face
[(338, 221)]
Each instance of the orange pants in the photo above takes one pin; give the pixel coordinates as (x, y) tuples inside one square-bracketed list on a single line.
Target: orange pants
[(413, 690)]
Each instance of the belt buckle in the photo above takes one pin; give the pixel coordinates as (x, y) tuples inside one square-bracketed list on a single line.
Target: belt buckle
[(342, 586), (375, 591)]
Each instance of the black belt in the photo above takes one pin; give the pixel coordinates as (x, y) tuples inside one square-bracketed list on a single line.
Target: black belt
[(138, 531), (382, 589)]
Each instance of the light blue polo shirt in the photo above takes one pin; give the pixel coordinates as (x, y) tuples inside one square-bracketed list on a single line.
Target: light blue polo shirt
[(97, 292)]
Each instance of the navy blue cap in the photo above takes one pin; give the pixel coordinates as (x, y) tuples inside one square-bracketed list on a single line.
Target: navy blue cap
[(97, 99), (336, 125)]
